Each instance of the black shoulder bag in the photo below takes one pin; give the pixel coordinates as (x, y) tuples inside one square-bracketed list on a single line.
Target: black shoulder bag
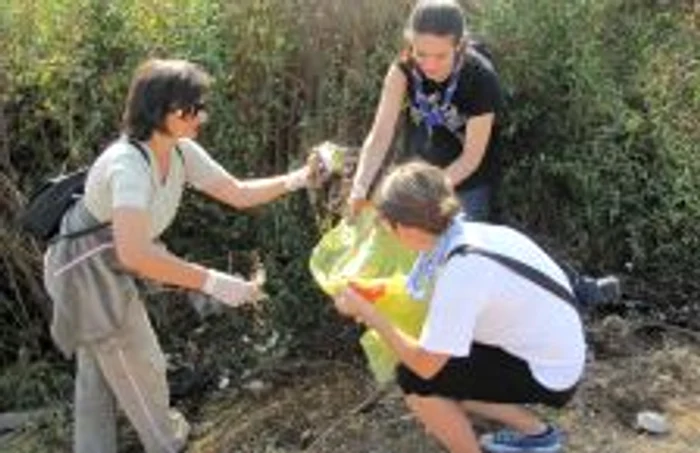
[(48, 204)]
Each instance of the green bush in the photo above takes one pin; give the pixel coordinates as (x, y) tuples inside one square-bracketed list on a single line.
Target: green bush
[(603, 133)]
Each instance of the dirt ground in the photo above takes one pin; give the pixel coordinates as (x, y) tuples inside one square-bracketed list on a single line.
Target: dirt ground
[(315, 405)]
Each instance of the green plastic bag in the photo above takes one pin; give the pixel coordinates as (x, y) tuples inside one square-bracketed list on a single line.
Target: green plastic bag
[(364, 252)]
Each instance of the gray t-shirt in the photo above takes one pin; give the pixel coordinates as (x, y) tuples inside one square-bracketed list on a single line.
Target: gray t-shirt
[(121, 177)]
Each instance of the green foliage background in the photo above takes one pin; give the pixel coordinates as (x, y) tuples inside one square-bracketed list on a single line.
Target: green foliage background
[(601, 142)]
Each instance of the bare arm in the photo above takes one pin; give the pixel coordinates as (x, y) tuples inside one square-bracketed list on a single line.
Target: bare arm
[(379, 138), (424, 363), (244, 194), (478, 134), (137, 252)]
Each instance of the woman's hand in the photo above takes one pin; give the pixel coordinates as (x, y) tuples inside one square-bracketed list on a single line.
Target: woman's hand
[(349, 303), (232, 289), (313, 174), (356, 205)]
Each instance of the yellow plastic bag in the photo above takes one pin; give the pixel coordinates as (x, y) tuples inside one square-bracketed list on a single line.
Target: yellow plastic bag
[(364, 252), (405, 313)]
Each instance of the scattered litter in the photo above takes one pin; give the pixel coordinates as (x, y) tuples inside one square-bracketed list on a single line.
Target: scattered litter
[(652, 422)]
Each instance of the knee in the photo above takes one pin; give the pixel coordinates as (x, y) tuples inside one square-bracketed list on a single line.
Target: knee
[(415, 404), (412, 401)]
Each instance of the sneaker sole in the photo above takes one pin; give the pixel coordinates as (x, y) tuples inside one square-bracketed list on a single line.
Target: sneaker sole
[(503, 449)]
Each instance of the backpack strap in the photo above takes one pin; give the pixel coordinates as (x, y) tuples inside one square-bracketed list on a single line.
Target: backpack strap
[(79, 233), (524, 270), (145, 155), (141, 149), (99, 226)]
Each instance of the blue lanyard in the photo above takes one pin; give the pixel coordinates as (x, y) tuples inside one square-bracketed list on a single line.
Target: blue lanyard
[(422, 276), (434, 115)]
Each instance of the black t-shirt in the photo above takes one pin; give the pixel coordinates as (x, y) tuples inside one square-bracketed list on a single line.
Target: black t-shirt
[(478, 92)]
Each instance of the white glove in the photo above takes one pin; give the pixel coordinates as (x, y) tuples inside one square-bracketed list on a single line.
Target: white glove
[(297, 179), (230, 289)]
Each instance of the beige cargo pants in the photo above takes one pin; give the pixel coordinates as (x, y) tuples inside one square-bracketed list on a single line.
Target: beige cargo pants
[(127, 370)]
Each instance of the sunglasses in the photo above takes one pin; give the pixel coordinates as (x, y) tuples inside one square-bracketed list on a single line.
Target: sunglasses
[(195, 108)]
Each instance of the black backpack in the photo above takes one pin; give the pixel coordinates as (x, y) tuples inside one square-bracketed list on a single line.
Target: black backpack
[(48, 204)]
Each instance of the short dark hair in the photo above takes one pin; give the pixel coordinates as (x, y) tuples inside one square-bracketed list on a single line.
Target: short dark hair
[(418, 195), (437, 17), (158, 88)]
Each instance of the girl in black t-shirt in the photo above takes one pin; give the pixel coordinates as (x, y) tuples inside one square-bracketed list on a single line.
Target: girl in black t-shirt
[(453, 105)]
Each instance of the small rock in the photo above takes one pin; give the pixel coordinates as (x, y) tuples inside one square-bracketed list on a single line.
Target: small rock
[(224, 382), (200, 330), (256, 386), (652, 422)]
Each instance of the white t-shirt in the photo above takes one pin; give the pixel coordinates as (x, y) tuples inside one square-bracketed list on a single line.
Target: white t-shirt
[(121, 177), (476, 299)]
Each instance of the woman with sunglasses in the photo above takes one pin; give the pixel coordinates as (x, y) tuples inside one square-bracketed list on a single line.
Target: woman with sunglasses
[(492, 340), (454, 101), (135, 187)]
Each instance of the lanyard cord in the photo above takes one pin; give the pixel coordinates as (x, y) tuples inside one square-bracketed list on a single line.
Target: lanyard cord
[(431, 114)]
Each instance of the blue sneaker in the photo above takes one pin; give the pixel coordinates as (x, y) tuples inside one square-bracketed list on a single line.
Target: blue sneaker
[(507, 441)]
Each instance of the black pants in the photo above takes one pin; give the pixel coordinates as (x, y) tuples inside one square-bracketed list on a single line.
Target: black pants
[(488, 374)]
